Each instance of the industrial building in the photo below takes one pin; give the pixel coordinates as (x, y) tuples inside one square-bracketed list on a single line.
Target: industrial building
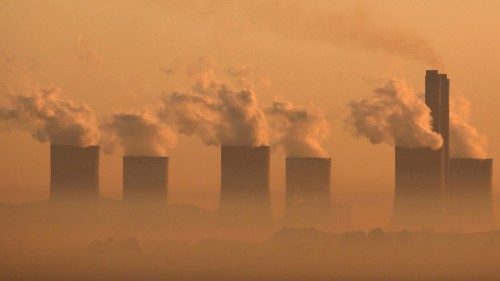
[(145, 179), (74, 172), (245, 181), (308, 183)]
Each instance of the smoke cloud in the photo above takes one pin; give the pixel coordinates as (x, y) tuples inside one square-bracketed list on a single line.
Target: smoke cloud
[(48, 118), (138, 134), (465, 140), (394, 115), (357, 28), (215, 113), (298, 130)]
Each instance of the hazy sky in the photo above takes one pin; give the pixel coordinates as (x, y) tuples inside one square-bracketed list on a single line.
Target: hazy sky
[(122, 55)]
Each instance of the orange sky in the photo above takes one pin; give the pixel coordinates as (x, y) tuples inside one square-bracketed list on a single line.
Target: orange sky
[(108, 54)]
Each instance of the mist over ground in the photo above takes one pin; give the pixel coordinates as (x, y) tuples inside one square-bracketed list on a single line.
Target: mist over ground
[(110, 242)]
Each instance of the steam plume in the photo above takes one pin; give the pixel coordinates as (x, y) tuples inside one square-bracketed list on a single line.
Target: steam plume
[(299, 130), (215, 113), (225, 118), (465, 140), (394, 115), (48, 118), (138, 134)]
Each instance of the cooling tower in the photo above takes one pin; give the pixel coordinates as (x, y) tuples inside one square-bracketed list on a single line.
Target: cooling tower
[(308, 191), (145, 179), (245, 181), (469, 196), (419, 181), (74, 172)]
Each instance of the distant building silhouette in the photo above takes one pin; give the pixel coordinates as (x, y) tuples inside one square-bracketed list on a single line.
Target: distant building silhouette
[(74, 172), (145, 179), (342, 216), (245, 181), (308, 183), (421, 174), (469, 196)]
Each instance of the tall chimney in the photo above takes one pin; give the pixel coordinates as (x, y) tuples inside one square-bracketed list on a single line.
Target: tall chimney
[(74, 172), (308, 183), (445, 124), (245, 181), (469, 196), (145, 179), (433, 97)]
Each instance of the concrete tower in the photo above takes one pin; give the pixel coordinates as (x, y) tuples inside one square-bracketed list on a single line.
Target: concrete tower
[(308, 183), (419, 180), (145, 179), (469, 196), (245, 181), (421, 175), (74, 172)]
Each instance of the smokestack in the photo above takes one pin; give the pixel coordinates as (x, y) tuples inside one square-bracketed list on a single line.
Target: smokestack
[(245, 181), (422, 173), (145, 179), (433, 97), (469, 196), (437, 98), (74, 172), (308, 191), (445, 124)]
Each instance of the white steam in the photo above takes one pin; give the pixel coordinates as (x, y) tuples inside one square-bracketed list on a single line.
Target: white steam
[(49, 118), (394, 115), (221, 117), (299, 130), (215, 113), (465, 140), (138, 134)]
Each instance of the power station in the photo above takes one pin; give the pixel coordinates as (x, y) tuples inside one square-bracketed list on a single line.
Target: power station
[(74, 172), (308, 182), (432, 189), (145, 179)]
